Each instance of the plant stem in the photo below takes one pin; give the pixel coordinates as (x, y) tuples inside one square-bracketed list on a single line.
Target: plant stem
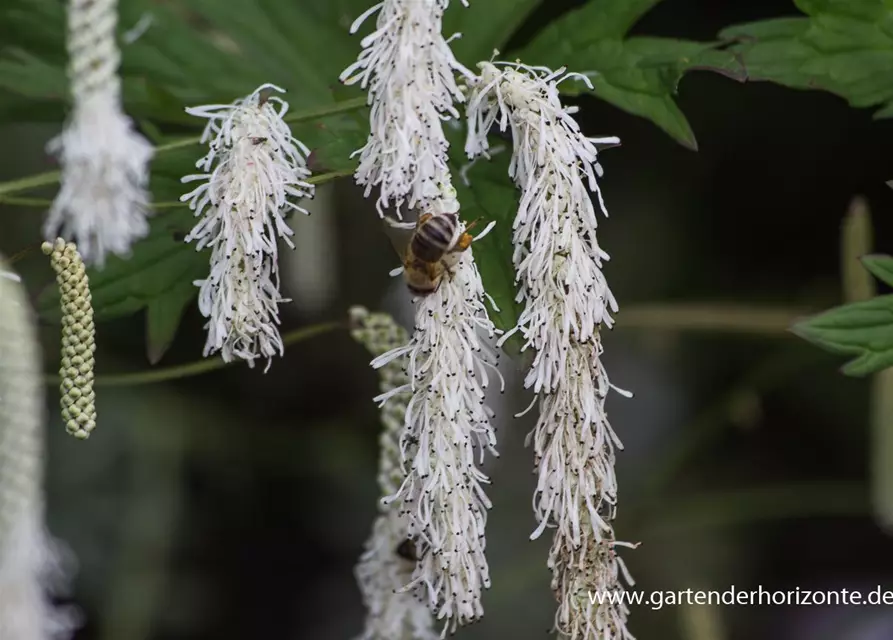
[(170, 204), (30, 182), (18, 255), (204, 365), (25, 202), (705, 316), (51, 177), (693, 316)]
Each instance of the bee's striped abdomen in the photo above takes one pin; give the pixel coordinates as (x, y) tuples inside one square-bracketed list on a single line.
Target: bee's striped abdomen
[(434, 237)]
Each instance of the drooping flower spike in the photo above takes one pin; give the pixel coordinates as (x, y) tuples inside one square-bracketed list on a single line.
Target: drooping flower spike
[(103, 201), (254, 173), (447, 432), (409, 71), (558, 265)]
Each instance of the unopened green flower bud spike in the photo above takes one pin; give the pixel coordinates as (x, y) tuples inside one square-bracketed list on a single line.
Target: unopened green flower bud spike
[(78, 338)]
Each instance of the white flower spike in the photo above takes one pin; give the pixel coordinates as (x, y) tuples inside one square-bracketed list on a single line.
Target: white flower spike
[(408, 69), (103, 200), (446, 434), (254, 172), (558, 265), (29, 559)]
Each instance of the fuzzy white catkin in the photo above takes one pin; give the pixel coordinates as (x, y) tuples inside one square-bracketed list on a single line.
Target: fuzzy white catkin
[(103, 200), (29, 559), (254, 173), (558, 265)]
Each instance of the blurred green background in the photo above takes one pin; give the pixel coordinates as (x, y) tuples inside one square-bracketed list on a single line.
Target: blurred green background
[(234, 504)]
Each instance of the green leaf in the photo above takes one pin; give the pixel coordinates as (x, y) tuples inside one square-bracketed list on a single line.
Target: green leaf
[(163, 315), (333, 140), (485, 25), (612, 18), (639, 75), (843, 46), (880, 266), (864, 329)]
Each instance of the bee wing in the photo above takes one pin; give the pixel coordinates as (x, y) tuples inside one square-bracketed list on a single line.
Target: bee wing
[(400, 234)]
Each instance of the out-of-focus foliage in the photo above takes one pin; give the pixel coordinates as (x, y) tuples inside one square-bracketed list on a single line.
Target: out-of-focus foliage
[(638, 74), (859, 328), (202, 51), (843, 46)]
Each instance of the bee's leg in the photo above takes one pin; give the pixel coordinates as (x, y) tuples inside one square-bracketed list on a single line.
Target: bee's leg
[(464, 242), (448, 271), (431, 270), (424, 218)]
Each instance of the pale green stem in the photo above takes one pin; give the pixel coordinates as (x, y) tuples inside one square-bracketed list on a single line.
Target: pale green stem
[(856, 240), (669, 317), (51, 177), (701, 622), (204, 365), (706, 316), (170, 204)]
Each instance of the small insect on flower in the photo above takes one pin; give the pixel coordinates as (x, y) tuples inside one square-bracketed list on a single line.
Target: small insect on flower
[(407, 550), (432, 246)]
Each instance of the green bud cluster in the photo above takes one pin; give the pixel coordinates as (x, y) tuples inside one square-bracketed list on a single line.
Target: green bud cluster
[(78, 338), (379, 334)]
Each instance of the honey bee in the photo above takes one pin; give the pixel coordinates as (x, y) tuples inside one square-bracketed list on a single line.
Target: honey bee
[(432, 249)]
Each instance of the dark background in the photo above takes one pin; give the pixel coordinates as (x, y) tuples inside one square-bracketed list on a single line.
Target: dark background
[(234, 504)]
